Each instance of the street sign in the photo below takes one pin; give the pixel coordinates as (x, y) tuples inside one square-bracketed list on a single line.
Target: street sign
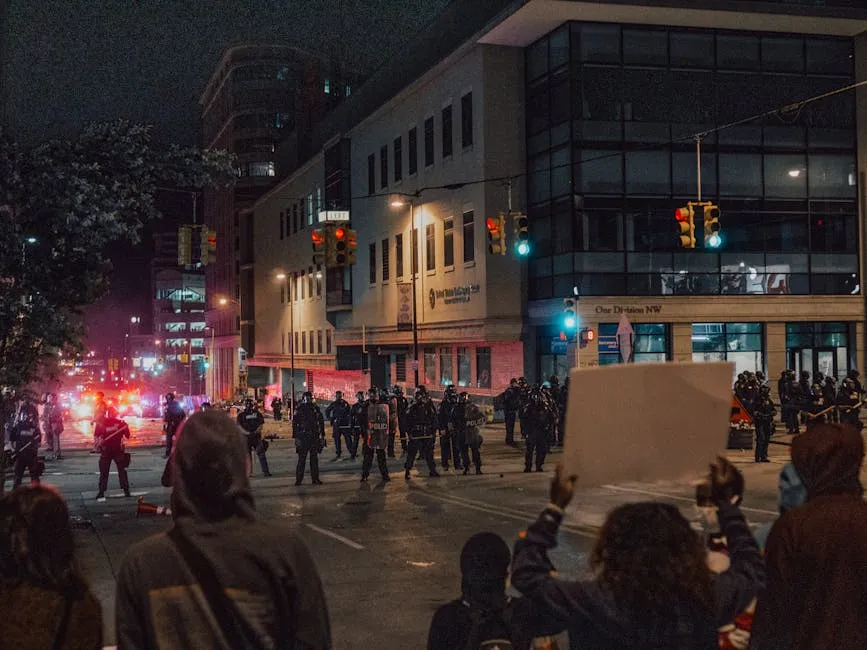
[(333, 215)]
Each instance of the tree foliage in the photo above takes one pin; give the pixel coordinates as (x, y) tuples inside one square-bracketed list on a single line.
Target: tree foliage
[(62, 204)]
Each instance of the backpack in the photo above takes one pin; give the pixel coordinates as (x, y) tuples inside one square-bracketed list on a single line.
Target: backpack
[(480, 639)]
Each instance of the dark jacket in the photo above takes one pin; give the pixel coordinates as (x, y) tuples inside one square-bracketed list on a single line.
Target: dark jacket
[(815, 597), (337, 413), (511, 399), (174, 415), (422, 419), (110, 434), (267, 572), (307, 422), (250, 421), (33, 615), (358, 415), (594, 620)]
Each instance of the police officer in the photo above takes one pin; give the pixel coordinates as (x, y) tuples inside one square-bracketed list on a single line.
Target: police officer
[(172, 418), (338, 413), (25, 437), (110, 434), (539, 418), (421, 419), (357, 419), (308, 428), (554, 393), (511, 403), (375, 434), (401, 404), (763, 417), (467, 420), (849, 402), (523, 397), (52, 425), (564, 402), (100, 409), (277, 408), (448, 445), (251, 420), (829, 394)]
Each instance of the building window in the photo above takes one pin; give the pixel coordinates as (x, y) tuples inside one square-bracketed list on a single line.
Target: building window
[(371, 174), (446, 370), (400, 367), (282, 226), (303, 342), (398, 255), (295, 343), (483, 367), (293, 293), (310, 209), (385, 269), (651, 343), (469, 237), (447, 131), (383, 166), (415, 252), (412, 140), (295, 218), (430, 247), (430, 365), (318, 279), (303, 283), (371, 251), (467, 120), (282, 342), (464, 367), (319, 341), (740, 343), (261, 168), (327, 341), (429, 142), (820, 347), (398, 159), (449, 242)]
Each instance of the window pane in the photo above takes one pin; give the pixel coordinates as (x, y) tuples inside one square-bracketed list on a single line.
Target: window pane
[(372, 253), (561, 181), (737, 52), (463, 366), (785, 176), (430, 365), (446, 363), (467, 120), (600, 43), (398, 255), (708, 337), (600, 172), (601, 231), (413, 150), (449, 242), (429, 142), (785, 232), (398, 160), (829, 56), (832, 176), (447, 131), (645, 47), (469, 237), (647, 172), (559, 47), (483, 367), (537, 59), (833, 263), (740, 174), (833, 232), (383, 166), (691, 50), (430, 247), (685, 175), (385, 261), (781, 54), (563, 232)]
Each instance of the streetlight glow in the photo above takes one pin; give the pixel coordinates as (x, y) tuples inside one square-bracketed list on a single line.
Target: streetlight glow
[(281, 276), (31, 240), (223, 301), (397, 203)]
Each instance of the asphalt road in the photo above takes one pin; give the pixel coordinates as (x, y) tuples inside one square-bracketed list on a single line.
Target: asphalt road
[(388, 553)]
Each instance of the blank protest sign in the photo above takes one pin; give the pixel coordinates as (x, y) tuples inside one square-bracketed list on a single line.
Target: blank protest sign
[(645, 422)]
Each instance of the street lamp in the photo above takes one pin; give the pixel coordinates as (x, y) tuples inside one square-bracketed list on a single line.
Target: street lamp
[(399, 203), (281, 276)]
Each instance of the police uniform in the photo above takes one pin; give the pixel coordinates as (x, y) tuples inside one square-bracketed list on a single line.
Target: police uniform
[(357, 420), (308, 429), (467, 421), (172, 419), (251, 420), (339, 414), (763, 418), (375, 438), (511, 399), (448, 445), (421, 420), (25, 437), (539, 420)]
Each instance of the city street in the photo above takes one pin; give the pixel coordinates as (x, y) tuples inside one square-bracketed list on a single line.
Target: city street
[(393, 547)]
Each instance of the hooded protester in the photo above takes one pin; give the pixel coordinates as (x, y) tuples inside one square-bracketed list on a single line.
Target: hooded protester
[(484, 613), (221, 577), (815, 553), (653, 588), (792, 494)]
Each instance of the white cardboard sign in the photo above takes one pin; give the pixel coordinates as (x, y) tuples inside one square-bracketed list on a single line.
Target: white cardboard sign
[(645, 422)]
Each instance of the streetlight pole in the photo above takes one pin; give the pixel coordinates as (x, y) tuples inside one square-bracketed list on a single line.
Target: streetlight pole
[(415, 269), (290, 296)]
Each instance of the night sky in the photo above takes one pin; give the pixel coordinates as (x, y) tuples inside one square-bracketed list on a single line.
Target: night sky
[(69, 62)]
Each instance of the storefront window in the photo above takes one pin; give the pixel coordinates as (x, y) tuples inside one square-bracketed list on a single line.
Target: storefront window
[(446, 367), (483, 367), (820, 347), (740, 343), (430, 365), (651, 343), (463, 366)]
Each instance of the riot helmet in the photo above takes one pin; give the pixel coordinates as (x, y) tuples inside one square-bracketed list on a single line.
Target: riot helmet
[(764, 390), (338, 394), (373, 395), (853, 374), (249, 404), (28, 414), (464, 397), (169, 396), (421, 392), (359, 396), (307, 397), (397, 390)]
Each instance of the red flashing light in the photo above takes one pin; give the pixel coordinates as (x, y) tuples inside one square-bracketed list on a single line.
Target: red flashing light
[(681, 214), (317, 237), (493, 225), (339, 233)]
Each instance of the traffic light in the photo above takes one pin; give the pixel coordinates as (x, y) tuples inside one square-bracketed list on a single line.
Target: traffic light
[(685, 218), (522, 234), (351, 246), (339, 246), (206, 363), (207, 245), (185, 246), (712, 238), (570, 314), (585, 336), (497, 234), (317, 237)]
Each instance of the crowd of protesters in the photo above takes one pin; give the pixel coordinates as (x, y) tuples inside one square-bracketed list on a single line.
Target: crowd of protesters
[(657, 581)]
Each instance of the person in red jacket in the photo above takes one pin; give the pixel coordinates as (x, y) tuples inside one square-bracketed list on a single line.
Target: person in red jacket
[(815, 553)]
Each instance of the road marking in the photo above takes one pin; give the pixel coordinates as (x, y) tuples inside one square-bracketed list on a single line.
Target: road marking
[(339, 538), (679, 498), (518, 515)]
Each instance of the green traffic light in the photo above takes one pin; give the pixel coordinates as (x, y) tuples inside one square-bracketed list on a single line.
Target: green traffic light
[(714, 241), (523, 248)]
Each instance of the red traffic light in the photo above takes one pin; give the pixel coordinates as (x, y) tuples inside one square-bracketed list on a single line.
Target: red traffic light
[(681, 214), (317, 237), (493, 225), (339, 233)]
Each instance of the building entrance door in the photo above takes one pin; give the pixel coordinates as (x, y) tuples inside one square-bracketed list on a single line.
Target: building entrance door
[(814, 360)]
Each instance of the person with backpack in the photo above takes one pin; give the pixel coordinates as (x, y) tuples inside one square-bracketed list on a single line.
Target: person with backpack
[(222, 576), (485, 617)]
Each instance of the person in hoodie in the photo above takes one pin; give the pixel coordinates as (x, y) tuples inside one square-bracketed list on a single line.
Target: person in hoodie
[(816, 552), (172, 586), (792, 494), (653, 588)]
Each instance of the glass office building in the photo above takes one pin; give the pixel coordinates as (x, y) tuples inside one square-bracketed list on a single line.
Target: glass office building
[(612, 115)]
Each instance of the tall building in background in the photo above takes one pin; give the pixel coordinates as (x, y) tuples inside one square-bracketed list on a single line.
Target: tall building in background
[(258, 97)]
